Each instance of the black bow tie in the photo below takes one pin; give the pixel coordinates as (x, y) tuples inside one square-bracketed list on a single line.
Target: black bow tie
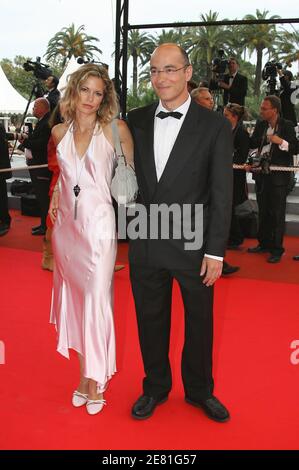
[(175, 114)]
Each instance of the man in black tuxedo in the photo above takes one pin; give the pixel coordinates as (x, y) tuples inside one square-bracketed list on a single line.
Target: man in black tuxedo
[(276, 137), (287, 107), (234, 84), (183, 155), (53, 94), (5, 218), (37, 144)]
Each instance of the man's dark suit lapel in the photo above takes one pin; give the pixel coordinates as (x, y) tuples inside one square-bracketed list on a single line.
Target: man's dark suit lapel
[(147, 150)]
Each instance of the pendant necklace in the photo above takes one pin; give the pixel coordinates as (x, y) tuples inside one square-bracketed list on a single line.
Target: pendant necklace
[(77, 188)]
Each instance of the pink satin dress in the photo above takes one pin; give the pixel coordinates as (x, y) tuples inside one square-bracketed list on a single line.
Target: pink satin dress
[(84, 251)]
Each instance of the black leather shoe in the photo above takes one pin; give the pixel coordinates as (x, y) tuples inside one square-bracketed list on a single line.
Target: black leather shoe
[(145, 406), (4, 228), (39, 231), (257, 249), (37, 227), (296, 258), (234, 247), (212, 408), (274, 259), (228, 269)]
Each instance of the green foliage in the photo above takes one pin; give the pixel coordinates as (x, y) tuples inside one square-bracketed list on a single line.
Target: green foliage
[(143, 98), (71, 42), (21, 80), (201, 43)]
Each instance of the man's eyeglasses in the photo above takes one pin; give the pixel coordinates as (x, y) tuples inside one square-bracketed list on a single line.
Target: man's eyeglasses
[(263, 108), (167, 70)]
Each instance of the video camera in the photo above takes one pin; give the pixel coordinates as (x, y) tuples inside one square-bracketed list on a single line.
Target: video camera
[(270, 73), (40, 70), (270, 69), (219, 65)]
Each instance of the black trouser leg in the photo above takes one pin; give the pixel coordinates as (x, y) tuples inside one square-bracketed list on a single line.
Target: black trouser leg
[(4, 214), (42, 195), (41, 183), (265, 231), (236, 236), (198, 345), (152, 290), (278, 198)]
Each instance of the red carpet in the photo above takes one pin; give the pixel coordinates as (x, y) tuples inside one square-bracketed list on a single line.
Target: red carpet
[(252, 267), (256, 321)]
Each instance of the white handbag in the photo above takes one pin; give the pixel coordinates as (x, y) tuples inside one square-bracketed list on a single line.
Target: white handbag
[(124, 188)]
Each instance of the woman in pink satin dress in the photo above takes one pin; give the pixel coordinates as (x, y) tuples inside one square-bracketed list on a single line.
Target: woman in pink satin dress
[(84, 235)]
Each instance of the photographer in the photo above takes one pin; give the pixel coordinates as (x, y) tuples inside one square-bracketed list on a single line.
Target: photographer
[(53, 94), (276, 140), (5, 218), (37, 144), (234, 84), (287, 107)]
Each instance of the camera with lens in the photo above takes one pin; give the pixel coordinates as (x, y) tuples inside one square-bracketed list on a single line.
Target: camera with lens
[(269, 73), (260, 162), (270, 69), (219, 65), (40, 70)]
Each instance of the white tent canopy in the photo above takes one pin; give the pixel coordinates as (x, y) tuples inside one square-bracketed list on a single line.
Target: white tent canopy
[(71, 67), (10, 100)]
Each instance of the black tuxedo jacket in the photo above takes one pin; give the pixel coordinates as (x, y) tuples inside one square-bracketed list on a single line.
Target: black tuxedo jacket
[(4, 154), (38, 142), (198, 171), (287, 107), (53, 97), (238, 90), (279, 157), (241, 149)]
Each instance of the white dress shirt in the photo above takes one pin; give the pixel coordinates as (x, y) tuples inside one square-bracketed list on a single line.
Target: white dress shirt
[(165, 134), (231, 78)]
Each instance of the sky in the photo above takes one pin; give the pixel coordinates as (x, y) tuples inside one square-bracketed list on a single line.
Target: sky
[(27, 26)]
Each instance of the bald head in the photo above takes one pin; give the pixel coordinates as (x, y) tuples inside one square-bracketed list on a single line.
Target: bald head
[(170, 46), (41, 107), (170, 72)]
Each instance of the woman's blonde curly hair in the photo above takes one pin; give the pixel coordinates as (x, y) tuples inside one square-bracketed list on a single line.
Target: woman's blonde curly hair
[(109, 106)]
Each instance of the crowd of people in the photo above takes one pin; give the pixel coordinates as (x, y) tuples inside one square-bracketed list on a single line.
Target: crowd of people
[(182, 152)]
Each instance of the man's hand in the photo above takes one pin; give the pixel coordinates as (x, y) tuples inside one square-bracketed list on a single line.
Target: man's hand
[(22, 137), (274, 139), (212, 269), (224, 85)]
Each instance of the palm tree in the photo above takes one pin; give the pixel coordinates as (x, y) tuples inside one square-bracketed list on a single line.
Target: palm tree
[(140, 46), (288, 46), (71, 42), (204, 42), (259, 38), (172, 35)]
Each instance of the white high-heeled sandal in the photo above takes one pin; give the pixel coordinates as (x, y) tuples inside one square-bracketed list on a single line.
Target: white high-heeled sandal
[(79, 399), (95, 406)]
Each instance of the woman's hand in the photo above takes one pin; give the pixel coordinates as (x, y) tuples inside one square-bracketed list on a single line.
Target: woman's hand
[(54, 206)]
